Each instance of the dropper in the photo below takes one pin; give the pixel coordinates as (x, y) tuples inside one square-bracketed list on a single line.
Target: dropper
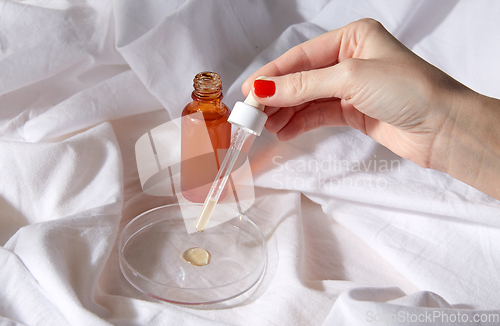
[(249, 118)]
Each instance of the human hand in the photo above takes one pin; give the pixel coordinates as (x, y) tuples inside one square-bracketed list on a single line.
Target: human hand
[(363, 77)]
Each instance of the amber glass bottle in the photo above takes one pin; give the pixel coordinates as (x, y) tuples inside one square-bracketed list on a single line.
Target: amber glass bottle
[(206, 113)]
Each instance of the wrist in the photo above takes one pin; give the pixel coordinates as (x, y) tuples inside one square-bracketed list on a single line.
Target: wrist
[(468, 145)]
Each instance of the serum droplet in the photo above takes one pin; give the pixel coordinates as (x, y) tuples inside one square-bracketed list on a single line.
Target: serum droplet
[(196, 256)]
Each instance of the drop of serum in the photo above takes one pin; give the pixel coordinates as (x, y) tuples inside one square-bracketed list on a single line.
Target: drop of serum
[(196, 256)]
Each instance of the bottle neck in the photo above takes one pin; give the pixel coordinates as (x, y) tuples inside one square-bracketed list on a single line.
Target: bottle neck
[(213, 98), (207, 87)]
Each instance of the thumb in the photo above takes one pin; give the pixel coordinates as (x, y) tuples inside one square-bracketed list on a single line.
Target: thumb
[(300, 87)]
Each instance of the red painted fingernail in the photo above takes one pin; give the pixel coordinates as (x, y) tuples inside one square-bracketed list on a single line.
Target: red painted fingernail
[(264, 88)]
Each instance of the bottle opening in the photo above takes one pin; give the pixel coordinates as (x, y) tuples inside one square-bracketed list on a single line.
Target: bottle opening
[(207, 84)]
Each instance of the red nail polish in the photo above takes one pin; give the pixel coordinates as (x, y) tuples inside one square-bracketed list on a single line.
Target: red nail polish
[(264, 88)]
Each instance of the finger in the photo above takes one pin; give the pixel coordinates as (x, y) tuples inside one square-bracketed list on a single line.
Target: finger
[(279, 119), (342, 80), (358, 39), (319, 114), (270, 110), (353, 117), (318, 52)]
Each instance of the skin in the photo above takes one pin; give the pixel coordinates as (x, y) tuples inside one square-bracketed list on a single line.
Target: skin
[(361, 76)]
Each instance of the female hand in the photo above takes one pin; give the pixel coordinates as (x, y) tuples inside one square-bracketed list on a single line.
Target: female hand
[(363, 77)]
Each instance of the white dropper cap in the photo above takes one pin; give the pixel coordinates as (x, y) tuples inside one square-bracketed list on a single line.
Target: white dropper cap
[(249, 115)]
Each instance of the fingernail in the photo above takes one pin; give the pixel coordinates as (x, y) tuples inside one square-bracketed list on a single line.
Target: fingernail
[(264, 88)]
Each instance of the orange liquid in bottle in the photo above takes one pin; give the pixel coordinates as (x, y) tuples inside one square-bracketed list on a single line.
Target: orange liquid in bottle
[(199, 165)]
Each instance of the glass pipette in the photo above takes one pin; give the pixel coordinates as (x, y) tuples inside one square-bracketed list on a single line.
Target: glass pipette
[(249, 118)]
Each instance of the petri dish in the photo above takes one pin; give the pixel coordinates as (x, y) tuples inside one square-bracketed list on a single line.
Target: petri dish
[(153, 248)]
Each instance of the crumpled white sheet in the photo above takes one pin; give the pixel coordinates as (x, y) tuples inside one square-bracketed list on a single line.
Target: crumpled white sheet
[(358, 236)]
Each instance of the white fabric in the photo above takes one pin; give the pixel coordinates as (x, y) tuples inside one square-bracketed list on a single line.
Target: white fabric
[(355, 234)]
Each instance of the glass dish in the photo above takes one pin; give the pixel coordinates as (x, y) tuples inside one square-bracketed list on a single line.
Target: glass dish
[(151, 248)]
